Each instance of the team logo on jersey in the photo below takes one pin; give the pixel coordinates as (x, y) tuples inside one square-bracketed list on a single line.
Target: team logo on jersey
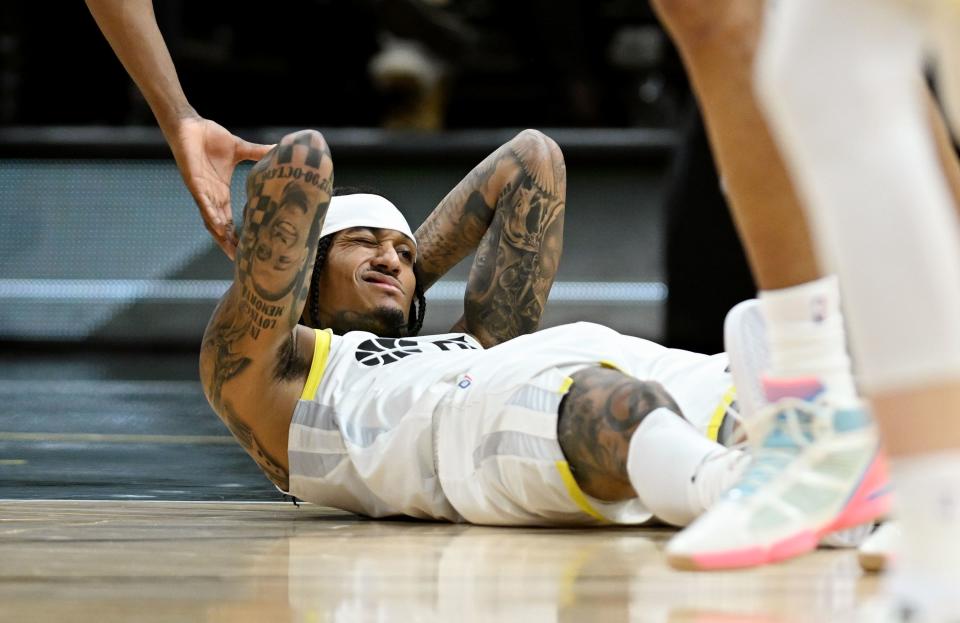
[(384, 350)]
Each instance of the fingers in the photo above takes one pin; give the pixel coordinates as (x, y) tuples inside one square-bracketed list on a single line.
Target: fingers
[(230, 240), (219, 222), (251, 151)]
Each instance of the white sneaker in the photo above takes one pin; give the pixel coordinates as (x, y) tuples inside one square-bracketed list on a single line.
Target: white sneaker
[(877, 552), (745, 335), (815, 469), (745, 339)]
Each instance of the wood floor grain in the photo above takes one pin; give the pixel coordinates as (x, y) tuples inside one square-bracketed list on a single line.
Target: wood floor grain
[(181, 561)]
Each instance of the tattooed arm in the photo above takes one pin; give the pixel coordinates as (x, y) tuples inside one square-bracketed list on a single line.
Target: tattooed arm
[(254, 357), (510, 209)]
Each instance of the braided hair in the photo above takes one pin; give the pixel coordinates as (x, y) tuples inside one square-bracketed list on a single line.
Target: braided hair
[(418, 307)]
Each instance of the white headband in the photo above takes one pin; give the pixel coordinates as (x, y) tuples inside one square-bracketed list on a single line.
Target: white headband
[(363, 210)]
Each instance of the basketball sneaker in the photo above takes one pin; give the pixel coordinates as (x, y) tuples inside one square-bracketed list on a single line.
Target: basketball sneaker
[(745, 335), (815, 469)]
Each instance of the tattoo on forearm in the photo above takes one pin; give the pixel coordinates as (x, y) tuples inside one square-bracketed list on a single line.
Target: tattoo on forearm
[(455, 228), (287, 198), (597, 419), (510, 209), (282, 221), (517, 259), (244, 435)]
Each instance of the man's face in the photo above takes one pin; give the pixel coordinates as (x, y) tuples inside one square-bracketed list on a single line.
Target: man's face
[(367, 282), (280, 251)]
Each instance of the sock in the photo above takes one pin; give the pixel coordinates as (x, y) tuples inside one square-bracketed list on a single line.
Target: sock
[(807, 338), (927, 504), (676, 471)]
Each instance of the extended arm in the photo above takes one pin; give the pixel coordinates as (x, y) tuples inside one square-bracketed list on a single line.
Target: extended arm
[(510, 208), (206, 153), (254, 357)]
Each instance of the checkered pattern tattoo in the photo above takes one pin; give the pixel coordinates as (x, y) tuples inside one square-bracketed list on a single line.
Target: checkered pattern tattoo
[(285, 152)]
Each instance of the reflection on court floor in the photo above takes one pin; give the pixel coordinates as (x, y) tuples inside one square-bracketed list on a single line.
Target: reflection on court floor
[(169, 561)]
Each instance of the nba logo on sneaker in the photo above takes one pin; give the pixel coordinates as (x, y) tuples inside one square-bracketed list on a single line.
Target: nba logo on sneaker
[(465, 382)]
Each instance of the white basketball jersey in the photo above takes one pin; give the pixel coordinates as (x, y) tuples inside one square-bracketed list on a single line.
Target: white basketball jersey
[(362, 436)]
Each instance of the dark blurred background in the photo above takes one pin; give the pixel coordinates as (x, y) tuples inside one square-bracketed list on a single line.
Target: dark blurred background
[(468, 63), (107, 277), (100, 239)]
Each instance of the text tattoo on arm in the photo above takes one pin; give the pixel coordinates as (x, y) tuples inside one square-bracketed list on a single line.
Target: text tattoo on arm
[(287, 198)]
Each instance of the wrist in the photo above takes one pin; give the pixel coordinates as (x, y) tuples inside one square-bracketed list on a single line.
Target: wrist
[(171, 118)]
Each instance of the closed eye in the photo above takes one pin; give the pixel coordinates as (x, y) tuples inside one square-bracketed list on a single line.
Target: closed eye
[(364, 242)]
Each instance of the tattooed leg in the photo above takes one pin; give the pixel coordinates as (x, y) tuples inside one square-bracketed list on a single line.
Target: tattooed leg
[(598, 416)]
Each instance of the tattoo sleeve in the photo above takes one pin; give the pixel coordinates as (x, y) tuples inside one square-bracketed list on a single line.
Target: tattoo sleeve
[(510, 208), (249, 343)]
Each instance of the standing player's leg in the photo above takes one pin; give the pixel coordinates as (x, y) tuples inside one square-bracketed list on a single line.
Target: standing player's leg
[(882, 206), (800, 306), (878, 551)]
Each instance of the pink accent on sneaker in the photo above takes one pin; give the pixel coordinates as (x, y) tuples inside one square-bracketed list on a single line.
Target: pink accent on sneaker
[(865, 504), (805, 388), (789, 547), (733, 559), (794, 546)]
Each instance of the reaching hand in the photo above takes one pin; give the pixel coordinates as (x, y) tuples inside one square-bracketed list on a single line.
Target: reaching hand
[(206, 154)]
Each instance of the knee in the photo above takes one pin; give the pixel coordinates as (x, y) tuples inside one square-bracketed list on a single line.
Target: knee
[(621, 401)]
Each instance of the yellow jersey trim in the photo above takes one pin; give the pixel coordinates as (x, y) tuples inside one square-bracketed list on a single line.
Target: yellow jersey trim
[(606, 363), (576, 493), (716, 419), (321, 352)]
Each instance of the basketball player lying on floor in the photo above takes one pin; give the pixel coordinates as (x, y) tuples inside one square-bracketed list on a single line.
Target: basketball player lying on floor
[(319, 374)]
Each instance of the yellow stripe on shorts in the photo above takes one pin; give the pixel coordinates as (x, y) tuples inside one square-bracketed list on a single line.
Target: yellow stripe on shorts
[(606, 363), (573, 489), (321, 351), (576, 493), (716, 419)]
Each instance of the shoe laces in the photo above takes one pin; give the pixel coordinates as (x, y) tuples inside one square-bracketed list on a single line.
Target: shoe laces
[(775, 436)]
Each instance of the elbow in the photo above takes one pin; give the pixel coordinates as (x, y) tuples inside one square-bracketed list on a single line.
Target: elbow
[(542, 159), (538, 142)]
